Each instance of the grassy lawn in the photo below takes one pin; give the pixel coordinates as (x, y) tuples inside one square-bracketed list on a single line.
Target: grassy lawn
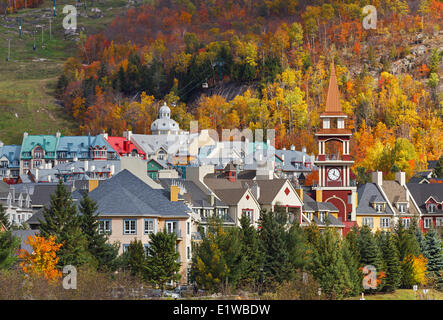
[(28, 79), (404, 294)]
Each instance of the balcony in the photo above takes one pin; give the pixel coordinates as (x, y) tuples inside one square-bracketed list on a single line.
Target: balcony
[(178, 234)]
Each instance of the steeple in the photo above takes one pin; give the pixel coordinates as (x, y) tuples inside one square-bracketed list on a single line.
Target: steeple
[(333, 106)]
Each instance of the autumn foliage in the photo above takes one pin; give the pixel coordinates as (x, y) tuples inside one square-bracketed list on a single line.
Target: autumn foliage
[(43, 260)]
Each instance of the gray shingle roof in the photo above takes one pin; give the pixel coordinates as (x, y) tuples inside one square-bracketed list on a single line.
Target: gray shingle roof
[(369, 193), (125, 194), (422, 192)]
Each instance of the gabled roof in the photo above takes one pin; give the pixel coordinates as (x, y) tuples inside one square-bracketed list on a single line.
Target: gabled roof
[(126, 195), (396, 193), (11, 152), (368, 194), (41, 195), (230, 196), (422, 192), (123, 146)]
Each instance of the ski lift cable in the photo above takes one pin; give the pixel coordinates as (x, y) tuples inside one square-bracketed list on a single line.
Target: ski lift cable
[(205, 72)]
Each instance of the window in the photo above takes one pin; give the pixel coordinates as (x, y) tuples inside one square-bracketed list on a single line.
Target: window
[(188, 252), (406, 222), (439, 222), (37, 163), (368, 221), (379, 207), (172, 226), (125, 247), (432, 207), (188, 228), (129, 226), (249, 213), (401, 207), (427, 223), (385, 222), (322, 216), (149, 226), (308, 215), (25, 164), (104, 226)]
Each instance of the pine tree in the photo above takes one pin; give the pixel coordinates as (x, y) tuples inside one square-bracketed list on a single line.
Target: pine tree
[(351, 256), (407, 247), (277, 265), (370, 253), (8, 249), (104, 252), (162, 265), (297, 248), (4, 219), (229, 242), (209, 268), (433, 252), (251, 251), (438, 170), (328, 266), (136, 259), (391, 261), (418, 234), (62, 221)]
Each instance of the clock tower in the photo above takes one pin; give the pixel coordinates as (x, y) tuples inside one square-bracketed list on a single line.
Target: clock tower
[(334, 161)]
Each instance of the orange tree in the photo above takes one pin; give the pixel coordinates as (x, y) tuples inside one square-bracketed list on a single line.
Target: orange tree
[(43, 260)]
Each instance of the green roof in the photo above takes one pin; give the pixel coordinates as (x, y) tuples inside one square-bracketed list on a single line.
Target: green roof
[(49, 143)]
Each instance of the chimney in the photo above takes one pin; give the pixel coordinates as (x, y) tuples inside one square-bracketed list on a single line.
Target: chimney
[(86, 165), (112, 169), (284, 148), (400, 177), (25, 135), (49, 178), (292, 147), (300, 193), (13, 195), (175, 190), (377, 178), (104, 135), (58, 134), (256, 190), (303, 149), (36, 175), (92, 168)]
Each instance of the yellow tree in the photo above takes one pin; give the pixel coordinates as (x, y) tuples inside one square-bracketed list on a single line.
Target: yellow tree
[(43, 260)]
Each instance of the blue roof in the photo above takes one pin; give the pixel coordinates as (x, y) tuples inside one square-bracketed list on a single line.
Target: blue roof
[(79, 144), (12, 152)]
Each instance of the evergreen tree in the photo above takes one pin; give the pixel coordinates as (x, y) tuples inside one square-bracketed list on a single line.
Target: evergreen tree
[(392, 262), (418, 235), (351, 256), (8, 249), (297, 248), (62, 221), (209, 268), (162, 259), (4, 219), (251, 251), (229, 242), (104, 252), (370, 253), (277, 264), (433, 252), (136, 259), (438, 170), (328, 266), (407, 247)]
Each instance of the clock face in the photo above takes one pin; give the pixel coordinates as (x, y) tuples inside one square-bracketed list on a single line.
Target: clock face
[(333, 174)]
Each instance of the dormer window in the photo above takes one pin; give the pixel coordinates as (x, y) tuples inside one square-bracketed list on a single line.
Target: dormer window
[(432, 207), (340, 123), (379, 207), (322, 216), (401, 207)]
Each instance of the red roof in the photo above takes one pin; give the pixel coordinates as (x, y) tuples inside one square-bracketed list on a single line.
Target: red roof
[(123, 146)]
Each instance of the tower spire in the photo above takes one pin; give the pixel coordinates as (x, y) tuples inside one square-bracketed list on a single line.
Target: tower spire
[(333, 100)]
